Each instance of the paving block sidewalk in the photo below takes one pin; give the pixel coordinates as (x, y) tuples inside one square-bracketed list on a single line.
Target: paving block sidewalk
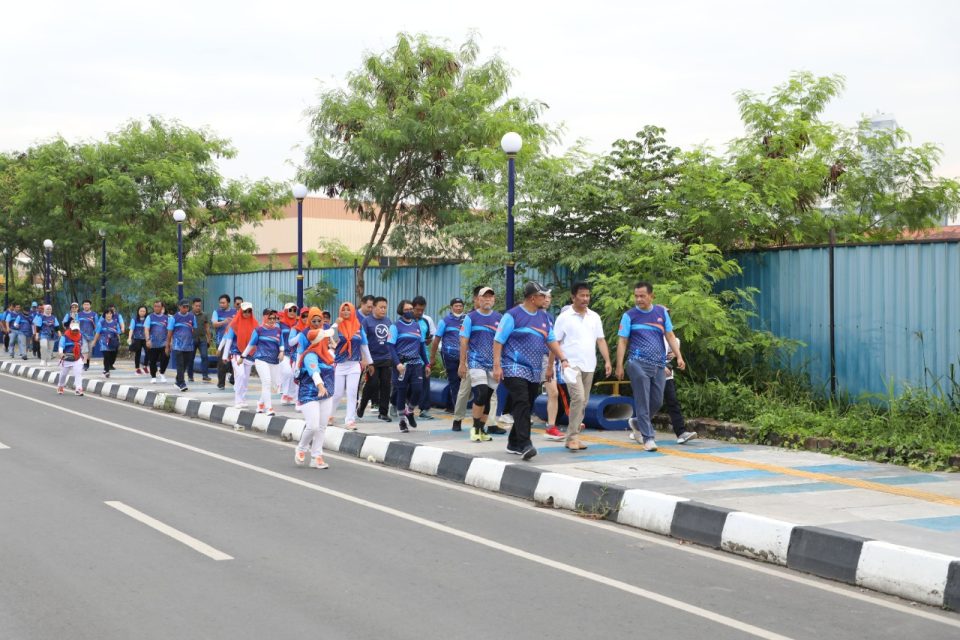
[(839, 518)]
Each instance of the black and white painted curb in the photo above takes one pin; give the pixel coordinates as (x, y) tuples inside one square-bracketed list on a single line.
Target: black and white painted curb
[(922, 576)]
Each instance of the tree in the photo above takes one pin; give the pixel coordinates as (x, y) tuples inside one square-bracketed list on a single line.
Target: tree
[(414, 131), (128, 185)]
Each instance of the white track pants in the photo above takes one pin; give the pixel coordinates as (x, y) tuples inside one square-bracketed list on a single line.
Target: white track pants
[(241, 377), (346, 380), (76, 368), (268, 373), (315, 414)]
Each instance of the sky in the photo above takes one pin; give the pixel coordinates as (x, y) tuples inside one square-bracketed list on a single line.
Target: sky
[(249, 70)]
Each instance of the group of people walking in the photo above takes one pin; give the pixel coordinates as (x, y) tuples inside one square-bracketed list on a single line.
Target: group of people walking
[(314, 360)]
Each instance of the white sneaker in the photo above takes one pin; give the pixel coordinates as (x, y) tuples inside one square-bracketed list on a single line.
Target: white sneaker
[(318, 463), (686, 436), (163, 378), (650, 445), (506, 418), (240, 405), (299, 458), (153, 381)]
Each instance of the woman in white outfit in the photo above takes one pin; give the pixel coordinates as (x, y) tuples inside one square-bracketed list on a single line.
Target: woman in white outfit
[(266, 345), (352, 356), (314, 373), (234, 342)]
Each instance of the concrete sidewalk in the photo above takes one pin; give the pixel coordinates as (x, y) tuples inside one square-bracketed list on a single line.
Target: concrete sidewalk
[(811, 511)]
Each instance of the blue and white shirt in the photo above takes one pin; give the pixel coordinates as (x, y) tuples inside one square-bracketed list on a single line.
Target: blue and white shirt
[(307, 388), (109, 334), (137, 326), (357, 343), (183, 326), (407, 343), (231, 339), (46, 326), (479, 329), (23, 323), (449, 332), (378, 332), (88, 323), (524, 337), (267, 343), (219, 315), (157, 325), (645, 332)]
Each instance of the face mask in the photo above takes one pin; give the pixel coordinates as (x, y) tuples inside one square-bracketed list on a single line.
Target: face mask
[(408, 315)]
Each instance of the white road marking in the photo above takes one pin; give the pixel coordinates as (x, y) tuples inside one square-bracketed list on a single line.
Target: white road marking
[(779, 572), (167, 530), (3, 446)]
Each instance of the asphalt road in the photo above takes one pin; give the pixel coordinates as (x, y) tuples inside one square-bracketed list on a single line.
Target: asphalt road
[(356, 551)]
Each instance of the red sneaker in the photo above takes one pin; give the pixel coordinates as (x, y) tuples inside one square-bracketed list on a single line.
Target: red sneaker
[(60, 390), (552, 433), (139, 372)]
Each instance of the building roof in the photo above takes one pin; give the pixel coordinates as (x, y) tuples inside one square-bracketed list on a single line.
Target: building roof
[(949, 232)]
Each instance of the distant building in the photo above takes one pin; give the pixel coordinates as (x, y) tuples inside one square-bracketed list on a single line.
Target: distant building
[(323, 219)]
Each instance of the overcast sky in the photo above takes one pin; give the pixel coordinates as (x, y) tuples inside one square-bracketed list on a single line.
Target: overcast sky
[(248, 70)]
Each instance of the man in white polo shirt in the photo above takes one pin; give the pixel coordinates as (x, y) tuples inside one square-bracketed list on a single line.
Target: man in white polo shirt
[(580, 331)]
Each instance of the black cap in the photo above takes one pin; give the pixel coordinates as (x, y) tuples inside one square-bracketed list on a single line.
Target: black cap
[(532, 288), (455, 301)]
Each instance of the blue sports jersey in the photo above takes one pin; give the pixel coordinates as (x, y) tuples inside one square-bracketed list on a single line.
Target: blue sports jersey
[(524, 337), (23, 323), (137, 326), (645, 331), (183, 326), (66, 348), (267, 342), (449, 332), (378, 332), (157, 325), (480, 329), (88, 323), (46, 326), (358, 341), (307, 389), (231, 338), (109, 334), (219, 315), (407, 341)]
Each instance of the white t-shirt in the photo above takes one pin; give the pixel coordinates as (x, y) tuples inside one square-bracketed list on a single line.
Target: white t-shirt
[(578, 335), (669, 351)]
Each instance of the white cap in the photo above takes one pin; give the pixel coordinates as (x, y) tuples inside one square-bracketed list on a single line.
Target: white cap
[(74, 326), (246, 306), (290, 305)]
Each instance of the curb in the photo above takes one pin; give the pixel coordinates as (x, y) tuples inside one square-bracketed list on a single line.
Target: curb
[(914, 574)]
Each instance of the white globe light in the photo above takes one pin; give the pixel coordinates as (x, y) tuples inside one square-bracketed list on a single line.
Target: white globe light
[(511, 142), (48, 244), (179, 215), (299, 191), (103, 233)]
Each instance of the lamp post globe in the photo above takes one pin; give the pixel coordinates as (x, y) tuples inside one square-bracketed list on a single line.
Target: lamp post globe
[(48, 244), (299, 193), (511, 143), (179, 216)]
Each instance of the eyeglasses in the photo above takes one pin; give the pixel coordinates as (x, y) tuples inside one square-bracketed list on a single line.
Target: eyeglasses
[(304, 315), (274, 318)]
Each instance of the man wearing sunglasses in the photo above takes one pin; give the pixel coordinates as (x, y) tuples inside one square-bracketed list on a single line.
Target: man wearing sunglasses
[(221, 319)]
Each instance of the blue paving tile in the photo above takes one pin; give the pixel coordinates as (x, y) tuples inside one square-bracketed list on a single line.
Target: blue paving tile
[(723, 476), (945, 523), (911, 479), (832, 468), (809, 487)]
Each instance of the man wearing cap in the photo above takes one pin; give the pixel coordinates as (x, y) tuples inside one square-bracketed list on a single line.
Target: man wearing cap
[(35, 312), (524, 336), (156, 328), (221, 319), (642, 332), (201, 341), (448, 340), (88, 319), (580, 331), (476, 359), (180, 340)]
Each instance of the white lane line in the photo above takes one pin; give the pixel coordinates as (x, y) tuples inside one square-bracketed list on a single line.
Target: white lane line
[(167, 530), (520, 553), (3, 446), (782, 573)]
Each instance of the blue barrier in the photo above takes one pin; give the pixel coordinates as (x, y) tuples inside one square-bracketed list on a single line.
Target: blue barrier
[(603, 412)]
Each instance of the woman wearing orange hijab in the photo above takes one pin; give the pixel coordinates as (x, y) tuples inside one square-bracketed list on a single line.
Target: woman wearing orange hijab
[(235, 340), (315, 373), (352, 357)]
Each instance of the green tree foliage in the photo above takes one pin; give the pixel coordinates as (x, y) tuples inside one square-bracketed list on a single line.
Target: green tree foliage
[(413, 138), (128, 185)]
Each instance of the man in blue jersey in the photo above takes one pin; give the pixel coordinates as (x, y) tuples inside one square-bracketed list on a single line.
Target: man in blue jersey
[(429, 329), (475, 365), (221, 319), (366, 307), (180, 340), (21, 331), (448, 341), (523, 339), (377, 327), (642, 332), (88, 319)]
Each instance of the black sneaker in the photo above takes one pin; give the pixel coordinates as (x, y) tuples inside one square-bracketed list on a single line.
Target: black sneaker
[(516, 452), (231, 380), (457, 425), (494, 430), (205, 379), (183, 389), (383, 418), (221, 387), (529, 452), (412, 421), (359, 411), (403, 424)]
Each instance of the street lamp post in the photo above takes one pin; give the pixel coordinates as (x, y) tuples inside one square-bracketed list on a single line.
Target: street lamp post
[(179, 216), (103, 270), (48, 245), (6, 279), (510, 143), (299, 192)]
